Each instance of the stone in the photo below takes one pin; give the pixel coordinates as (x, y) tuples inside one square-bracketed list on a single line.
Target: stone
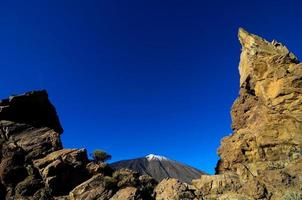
[(97, 187), (128, 193), (217, 184), (31, 108), (28, 187), (173, 189), (255, 189), (64, 169), (266, 119)]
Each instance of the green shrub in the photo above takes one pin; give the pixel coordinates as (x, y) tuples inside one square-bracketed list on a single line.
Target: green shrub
[(292, 196), (109, 182), (126, 178), (100, 156)]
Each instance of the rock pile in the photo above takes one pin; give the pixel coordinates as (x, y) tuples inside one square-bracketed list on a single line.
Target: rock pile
[(34, 165)]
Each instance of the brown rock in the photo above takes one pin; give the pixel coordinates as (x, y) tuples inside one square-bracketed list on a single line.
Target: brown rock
[(255, 189), (128, 193), (97, 187), (267, 119), (28, 187), (32, 108), (217, 184), (12, 169), (63, 170), (173, 189)]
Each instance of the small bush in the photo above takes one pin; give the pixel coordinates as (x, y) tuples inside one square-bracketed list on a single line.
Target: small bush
[(292, 196), (126, 178), (109, 182), (100, 156)]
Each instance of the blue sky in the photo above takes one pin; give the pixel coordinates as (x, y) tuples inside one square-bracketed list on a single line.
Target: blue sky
[(138, 77)]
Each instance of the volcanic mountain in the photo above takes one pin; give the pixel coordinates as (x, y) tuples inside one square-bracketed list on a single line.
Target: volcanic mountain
[(159, 167)]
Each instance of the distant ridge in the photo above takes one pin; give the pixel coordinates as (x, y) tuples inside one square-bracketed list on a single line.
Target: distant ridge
[(160, 167)]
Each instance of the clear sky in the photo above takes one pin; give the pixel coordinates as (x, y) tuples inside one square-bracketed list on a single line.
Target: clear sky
[(139, 76)]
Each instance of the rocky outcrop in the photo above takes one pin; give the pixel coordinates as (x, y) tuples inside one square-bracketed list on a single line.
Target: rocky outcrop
[(173, 189), (34, 165), (29, 130), (128, 193), (32, 108), (122, 185), (266, 144), (63, 170)]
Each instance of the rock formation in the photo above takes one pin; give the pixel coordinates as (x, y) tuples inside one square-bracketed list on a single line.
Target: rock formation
[(34, 165), (261, 160)]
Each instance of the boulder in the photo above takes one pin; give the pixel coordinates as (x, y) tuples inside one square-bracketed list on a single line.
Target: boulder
[(173, 189), (217, 184), (97, 187), (63, 170), (128, 193), (32, 108)]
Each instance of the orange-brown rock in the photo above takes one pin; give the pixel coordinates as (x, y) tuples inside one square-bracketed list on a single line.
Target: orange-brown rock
[(128, 193), (173, 189), (266, 145), (63, 170)]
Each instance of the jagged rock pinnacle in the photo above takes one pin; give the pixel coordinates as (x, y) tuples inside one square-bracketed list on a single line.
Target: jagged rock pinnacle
[(255, 47)]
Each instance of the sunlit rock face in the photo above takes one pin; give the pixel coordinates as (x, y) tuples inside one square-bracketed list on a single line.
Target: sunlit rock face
[(265, 148), (267, 115), (29, 130)]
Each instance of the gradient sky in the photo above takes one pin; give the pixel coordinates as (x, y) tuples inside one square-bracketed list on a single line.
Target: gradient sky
[(138, 77)]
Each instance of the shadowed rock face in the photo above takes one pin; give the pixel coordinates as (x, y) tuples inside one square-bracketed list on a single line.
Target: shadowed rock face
[(32, 108), (261, 156)]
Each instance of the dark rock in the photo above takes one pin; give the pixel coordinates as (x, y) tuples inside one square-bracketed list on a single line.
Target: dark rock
[(28, 187), (63, 170), (31, 108), (11, 169), (97, 187), (29, 129)]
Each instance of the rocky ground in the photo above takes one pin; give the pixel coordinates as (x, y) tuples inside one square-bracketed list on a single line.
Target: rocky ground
[(260, 160)]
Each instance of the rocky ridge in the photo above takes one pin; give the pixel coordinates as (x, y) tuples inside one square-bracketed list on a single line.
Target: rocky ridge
[(260, 160)]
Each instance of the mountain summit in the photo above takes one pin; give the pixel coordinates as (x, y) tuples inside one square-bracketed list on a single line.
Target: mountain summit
[(159, 167), (155, 157)]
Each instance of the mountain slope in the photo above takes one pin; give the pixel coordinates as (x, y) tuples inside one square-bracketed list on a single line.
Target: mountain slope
[(160, 167)]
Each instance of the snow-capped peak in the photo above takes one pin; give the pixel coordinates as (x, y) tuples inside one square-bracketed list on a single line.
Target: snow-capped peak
[(155, 157)]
